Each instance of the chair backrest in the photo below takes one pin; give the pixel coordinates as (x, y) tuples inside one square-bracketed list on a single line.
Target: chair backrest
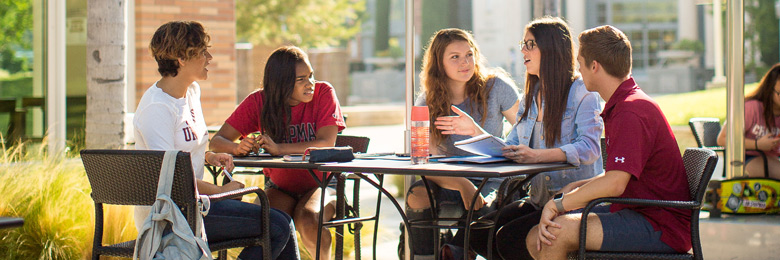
[(359, 144), (699, 165), (129, 177), (705, 130)]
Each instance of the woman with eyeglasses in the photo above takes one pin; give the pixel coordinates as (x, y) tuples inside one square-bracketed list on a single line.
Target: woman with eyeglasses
[(762, 127), (558, 121), (293, 112), (454, 77)]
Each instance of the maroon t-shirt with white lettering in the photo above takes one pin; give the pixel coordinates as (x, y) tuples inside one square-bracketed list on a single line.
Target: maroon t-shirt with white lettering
[(306, 119), (640, 142)]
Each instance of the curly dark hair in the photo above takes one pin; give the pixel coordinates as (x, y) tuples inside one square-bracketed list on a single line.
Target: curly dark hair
[(177, 40)]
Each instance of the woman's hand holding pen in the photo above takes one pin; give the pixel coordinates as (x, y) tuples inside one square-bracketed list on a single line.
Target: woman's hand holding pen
[(220, 160), (247, 145), (269, 145)]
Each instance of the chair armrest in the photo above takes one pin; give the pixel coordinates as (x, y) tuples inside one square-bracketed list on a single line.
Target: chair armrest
[(265, 212), (236, 193), (631, 201), (716, 148), (646, 202)]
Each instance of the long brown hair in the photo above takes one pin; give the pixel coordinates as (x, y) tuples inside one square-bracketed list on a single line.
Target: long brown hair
[(556, 73), (764, 93), (278, 86), (434, 78)]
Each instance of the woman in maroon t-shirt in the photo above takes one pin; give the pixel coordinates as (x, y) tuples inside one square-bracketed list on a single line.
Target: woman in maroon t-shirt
[(292, 112)]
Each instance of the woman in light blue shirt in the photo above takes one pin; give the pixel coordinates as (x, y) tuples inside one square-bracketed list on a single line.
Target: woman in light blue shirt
[(558, 121)]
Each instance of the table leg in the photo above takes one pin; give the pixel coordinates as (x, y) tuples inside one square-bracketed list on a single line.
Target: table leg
[(469, 218), (323, 185), (434, 217), (398, 207)]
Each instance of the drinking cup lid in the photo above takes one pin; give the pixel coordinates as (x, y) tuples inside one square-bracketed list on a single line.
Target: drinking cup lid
[(420, 113)]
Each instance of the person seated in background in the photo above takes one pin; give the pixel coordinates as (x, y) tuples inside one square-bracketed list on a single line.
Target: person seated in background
[(643, 161), (454, 76), (557, 122), (169, 117), (762, 126), (293, 112)]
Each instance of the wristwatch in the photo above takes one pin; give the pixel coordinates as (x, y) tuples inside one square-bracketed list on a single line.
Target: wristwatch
[(558, 200)]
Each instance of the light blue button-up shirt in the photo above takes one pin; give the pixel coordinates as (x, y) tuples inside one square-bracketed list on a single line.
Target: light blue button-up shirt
[(581, 129)]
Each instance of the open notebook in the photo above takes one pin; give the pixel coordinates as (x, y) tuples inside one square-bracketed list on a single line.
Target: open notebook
[(488, 148)]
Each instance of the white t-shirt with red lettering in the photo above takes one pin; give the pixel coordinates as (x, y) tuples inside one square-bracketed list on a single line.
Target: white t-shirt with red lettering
[(163, 122)]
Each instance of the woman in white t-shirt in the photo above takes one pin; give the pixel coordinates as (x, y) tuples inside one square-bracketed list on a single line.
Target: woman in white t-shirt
[(169, 117)]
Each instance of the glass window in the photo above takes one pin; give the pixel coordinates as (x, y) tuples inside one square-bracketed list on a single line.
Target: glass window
[(20, 99)]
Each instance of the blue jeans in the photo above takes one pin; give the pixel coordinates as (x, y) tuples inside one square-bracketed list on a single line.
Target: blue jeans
[(231, 219)]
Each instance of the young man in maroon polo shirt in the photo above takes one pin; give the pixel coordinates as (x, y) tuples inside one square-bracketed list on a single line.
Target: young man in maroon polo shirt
[(643, 161)]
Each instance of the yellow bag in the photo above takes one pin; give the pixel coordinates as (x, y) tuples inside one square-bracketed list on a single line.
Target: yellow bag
[(743, 196)]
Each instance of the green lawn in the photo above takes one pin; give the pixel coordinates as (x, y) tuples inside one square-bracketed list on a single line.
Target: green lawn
[(678, 108)]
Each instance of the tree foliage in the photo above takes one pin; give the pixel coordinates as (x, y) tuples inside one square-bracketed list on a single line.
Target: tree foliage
[(764, 24), (15, 33), (305, 23)]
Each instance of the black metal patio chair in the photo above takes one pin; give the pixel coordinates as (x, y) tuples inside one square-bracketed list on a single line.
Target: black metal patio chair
[(705, 130), (699, 165), (129, 177)]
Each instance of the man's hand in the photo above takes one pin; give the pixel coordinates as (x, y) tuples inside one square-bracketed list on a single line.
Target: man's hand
[(549, 212)]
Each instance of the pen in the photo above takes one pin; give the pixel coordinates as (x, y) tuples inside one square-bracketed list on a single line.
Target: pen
[(227, 174)]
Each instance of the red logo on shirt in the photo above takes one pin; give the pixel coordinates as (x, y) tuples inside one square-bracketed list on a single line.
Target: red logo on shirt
[(189, 134)]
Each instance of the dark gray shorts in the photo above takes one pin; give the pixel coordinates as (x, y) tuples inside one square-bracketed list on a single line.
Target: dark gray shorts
[(627, 230)]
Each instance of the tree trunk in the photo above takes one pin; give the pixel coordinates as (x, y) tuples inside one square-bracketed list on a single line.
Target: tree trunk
[(106, 94)]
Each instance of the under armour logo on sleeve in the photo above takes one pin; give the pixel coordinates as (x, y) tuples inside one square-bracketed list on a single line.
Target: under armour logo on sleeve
[(621, 159)]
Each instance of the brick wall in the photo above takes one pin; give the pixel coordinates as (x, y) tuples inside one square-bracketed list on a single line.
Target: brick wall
[(218, 16)]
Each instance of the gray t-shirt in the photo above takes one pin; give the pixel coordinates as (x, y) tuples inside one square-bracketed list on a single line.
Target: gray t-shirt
[(502, 96)]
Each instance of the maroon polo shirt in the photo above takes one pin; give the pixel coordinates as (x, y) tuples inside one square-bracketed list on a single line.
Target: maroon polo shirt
[(640, 142)]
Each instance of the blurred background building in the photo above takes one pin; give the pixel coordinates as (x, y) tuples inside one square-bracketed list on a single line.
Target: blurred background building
[(360, 50)]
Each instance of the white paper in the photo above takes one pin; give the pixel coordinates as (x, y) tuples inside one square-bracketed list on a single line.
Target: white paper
[(486, 144)]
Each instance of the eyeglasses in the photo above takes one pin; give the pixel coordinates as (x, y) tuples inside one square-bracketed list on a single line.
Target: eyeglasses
[(528, 45)]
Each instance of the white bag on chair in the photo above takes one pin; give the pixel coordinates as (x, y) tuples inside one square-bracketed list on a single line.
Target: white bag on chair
[(179, 243)]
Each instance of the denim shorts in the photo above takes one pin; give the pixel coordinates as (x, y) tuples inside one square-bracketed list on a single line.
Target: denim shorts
[(627, 230)]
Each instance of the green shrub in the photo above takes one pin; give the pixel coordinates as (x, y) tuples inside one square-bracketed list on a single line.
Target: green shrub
[(52, 195)]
